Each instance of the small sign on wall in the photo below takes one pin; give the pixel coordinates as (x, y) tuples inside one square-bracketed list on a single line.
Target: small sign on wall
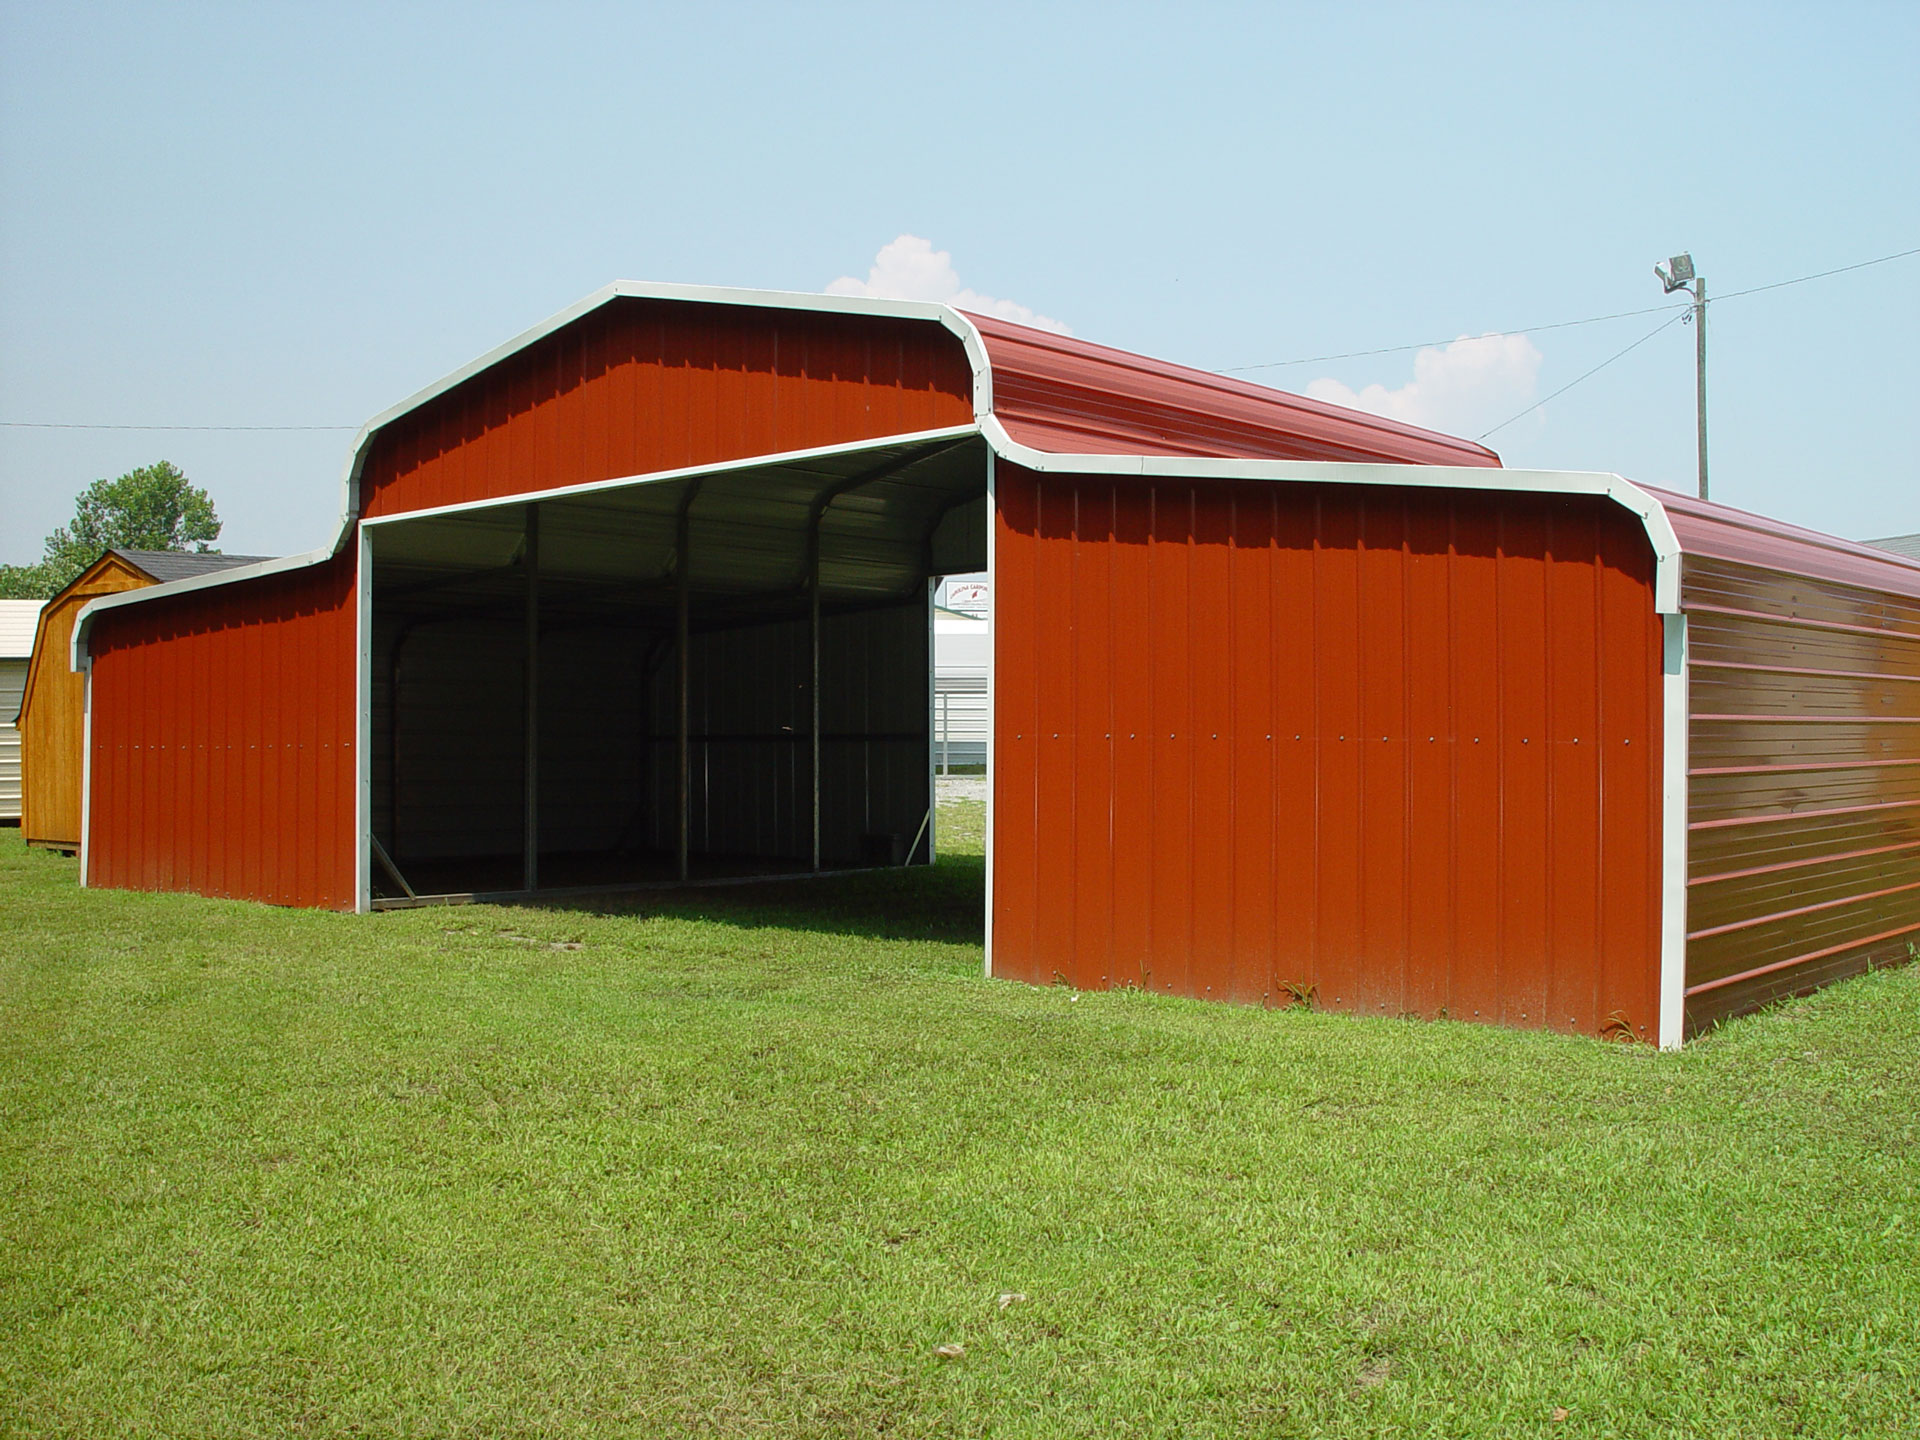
[(969, 597)]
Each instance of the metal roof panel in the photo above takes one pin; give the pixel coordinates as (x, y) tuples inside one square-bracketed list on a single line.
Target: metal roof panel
[(1053, 392), (17, 619)]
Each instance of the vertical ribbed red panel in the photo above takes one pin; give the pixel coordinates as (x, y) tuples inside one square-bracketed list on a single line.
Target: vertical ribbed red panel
[(1399, 748), (223, 734), (640, 386)]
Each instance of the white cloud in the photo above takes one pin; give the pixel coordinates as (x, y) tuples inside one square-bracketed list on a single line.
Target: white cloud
[(1464, 388), (909, 268)]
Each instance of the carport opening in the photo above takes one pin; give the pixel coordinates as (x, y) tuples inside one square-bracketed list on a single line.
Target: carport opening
[(713, 676)]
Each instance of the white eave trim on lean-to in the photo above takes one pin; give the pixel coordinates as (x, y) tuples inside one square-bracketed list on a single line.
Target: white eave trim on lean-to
[(1643, 506), (77, 648)]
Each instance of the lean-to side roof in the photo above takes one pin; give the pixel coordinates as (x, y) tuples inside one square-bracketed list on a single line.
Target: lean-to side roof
[(1721, 532), (1063, 395)]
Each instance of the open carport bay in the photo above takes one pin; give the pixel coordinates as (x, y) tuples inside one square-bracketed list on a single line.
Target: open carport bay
[(703, 675)]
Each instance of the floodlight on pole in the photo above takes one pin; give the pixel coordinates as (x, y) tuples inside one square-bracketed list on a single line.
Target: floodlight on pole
[(1678, 275)]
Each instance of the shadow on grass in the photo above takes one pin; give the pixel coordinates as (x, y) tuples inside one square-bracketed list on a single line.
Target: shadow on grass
[(944, 902)]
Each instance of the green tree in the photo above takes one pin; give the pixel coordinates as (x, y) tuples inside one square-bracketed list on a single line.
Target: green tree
[(152, 508), (26, 582)]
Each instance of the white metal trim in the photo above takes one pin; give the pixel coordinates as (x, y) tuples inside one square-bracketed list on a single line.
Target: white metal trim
[(1644, 506), (1648, 508), (86, 774), (83, 622), (993, 702), (933, 783), (690, 472), (363, 727), (943, 315), (1673, 830)]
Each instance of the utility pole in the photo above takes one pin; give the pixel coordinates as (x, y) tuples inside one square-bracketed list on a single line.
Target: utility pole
[(1678, 273)]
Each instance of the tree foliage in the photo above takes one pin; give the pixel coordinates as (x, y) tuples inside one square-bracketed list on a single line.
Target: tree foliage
[(26, 582), (153, 508)]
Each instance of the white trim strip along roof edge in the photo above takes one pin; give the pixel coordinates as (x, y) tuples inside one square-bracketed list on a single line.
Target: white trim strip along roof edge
[(944, 315), (1645, 507), (77, 648), (1651, 512)]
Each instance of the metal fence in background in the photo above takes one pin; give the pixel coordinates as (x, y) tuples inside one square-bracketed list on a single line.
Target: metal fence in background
[(959, 721)]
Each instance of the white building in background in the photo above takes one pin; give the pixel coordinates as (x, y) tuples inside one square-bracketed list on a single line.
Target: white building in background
[(17, 621), (961, 649)]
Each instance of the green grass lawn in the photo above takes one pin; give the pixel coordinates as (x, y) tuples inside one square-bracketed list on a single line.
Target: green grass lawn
[(736, 1164)]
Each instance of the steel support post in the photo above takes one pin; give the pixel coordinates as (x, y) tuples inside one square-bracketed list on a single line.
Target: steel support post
[(683, 750), (1700, 373), (531, 840), (813, 682)]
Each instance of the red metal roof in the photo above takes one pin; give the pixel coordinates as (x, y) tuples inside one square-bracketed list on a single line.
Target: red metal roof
[(1704, 527), (1056, 393)]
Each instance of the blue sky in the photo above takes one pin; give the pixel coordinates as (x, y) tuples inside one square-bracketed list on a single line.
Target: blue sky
[(297, 215)]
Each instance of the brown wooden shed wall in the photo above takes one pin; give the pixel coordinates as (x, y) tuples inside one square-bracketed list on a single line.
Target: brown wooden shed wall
[(53, 714)]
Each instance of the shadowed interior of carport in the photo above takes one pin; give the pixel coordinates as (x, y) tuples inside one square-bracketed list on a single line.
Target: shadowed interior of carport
[(706, 675)]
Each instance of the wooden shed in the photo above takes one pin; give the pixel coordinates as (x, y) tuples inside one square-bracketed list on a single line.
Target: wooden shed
[(52, 719), (16, 643)]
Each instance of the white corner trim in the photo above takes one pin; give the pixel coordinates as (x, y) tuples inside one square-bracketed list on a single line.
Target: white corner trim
[(1673, 831), (933, 749), (993, 701), (1645, 507), (86, 774), (363, 726)]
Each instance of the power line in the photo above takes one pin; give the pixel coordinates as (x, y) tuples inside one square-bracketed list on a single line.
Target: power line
[(1571, 324), (1429, 344), (1681, 309), (1801, 280), (60, 425), (1589, 375)]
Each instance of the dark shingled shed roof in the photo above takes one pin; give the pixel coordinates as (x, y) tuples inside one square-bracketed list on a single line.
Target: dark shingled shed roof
[(1908, 545), (165, 565)]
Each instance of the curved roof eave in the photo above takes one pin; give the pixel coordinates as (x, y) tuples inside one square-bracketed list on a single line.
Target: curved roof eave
[(1636, 500), (1632, 497), (944, 315)]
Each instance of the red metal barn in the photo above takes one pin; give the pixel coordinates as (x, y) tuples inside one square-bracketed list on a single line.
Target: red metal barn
[(1288, 700)]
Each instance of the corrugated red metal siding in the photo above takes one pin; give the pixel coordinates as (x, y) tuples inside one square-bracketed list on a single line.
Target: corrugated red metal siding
[(1060, 394), (644, 385), (222, 741), (1400, 746), (1804, 785)]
